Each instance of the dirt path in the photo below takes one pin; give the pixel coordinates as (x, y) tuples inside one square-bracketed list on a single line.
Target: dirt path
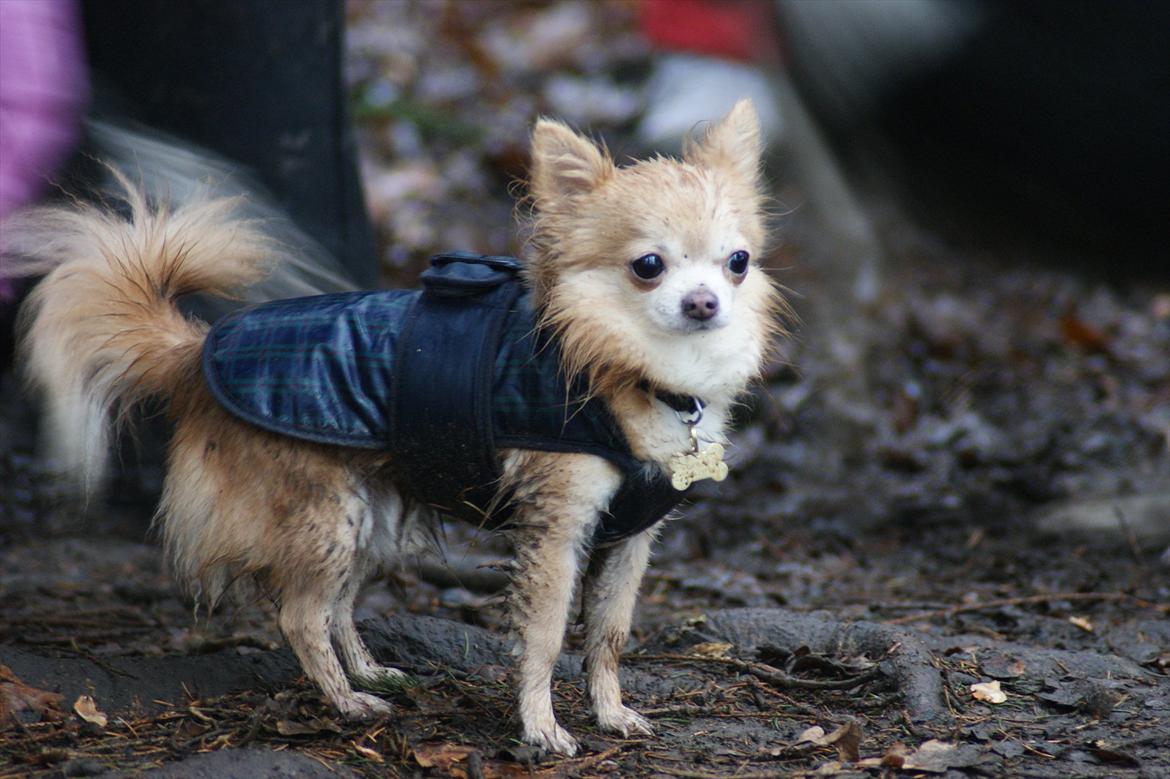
[(732, 693)]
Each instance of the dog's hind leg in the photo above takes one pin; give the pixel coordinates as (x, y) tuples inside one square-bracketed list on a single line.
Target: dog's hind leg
[(610, 590), (305, 618), (379, 534), (363, 669), (326, 576)]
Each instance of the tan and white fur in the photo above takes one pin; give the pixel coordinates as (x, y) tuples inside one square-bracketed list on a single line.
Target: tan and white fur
[(310, 524)]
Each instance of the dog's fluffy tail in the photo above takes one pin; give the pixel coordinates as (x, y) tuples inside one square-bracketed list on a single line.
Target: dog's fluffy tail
[(101, 331), (170, 170)]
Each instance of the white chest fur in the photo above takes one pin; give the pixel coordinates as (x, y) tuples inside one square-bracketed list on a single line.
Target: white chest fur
[(657, 432)]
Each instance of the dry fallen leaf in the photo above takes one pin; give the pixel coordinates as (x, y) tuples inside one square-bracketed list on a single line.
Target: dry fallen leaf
[(714, 649), (1082, 623), (847, 740), (20, 702), (441, 756), (895, 756), (988, 692), (932, 757), (812, 735), (367, 753), (86, 708), (938, 757)]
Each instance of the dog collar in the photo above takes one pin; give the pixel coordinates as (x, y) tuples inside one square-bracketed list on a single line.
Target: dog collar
[(685, 405), (696, 462)]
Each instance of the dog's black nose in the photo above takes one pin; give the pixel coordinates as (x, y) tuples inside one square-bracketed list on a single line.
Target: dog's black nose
[(702, 304)]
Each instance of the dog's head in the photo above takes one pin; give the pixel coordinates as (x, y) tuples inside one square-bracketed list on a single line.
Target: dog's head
[(649, 271)]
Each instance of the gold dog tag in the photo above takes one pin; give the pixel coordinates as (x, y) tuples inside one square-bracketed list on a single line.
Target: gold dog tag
[(689, 467)]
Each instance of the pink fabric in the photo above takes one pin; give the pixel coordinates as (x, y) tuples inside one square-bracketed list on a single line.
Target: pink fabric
[(43, 92)]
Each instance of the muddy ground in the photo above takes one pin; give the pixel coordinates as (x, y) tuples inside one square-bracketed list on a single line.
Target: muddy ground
[(968, 483)]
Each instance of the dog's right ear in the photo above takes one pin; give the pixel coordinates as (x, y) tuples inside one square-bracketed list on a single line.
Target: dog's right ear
[(734, 143), (565, 164)]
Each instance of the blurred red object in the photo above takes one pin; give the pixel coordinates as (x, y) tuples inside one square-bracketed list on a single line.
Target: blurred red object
[(733, 29)]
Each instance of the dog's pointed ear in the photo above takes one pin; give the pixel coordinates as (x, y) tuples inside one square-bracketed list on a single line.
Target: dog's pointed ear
[(734, 144), (565, 164)]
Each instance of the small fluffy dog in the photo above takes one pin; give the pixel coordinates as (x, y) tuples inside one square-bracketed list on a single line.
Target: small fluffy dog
[(643, 277)]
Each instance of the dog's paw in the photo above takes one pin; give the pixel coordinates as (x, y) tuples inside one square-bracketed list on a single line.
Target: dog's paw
[(386, 673), (624, 720), (552, 739), (359, 706), (383, 679)]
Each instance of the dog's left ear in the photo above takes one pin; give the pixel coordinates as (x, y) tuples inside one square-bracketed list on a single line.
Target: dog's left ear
[(734, 144), (565, 164)]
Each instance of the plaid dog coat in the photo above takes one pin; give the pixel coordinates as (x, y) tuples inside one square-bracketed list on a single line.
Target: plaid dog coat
[(442, 377)]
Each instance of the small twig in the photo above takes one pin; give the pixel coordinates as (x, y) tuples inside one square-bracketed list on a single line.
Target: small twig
[(671, 771), (1024, 601), (203, 737), (253, 731), (479, 579), (70, 646), (699, 713), (588, 761), (767, 673), (784, 681)]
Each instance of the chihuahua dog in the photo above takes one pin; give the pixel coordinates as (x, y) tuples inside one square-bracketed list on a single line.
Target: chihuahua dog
[(643, 280)]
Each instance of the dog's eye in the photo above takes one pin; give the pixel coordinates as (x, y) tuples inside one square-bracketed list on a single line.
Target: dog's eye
[(737, 263), (648, 266)]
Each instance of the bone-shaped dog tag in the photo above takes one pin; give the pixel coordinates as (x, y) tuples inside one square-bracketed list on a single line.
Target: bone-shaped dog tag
[(690, 467)]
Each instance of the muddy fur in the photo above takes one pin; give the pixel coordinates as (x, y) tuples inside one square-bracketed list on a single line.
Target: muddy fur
[(308, 524)]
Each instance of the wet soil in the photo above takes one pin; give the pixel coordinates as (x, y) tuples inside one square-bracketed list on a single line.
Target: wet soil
[(969, 484), (892, 628)]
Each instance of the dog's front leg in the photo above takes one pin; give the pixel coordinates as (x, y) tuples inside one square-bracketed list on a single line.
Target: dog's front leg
[(542, 596), (559, 502), (611, 588)]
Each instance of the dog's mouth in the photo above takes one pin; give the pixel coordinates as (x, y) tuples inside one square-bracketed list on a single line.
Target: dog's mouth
[(693, 326)]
